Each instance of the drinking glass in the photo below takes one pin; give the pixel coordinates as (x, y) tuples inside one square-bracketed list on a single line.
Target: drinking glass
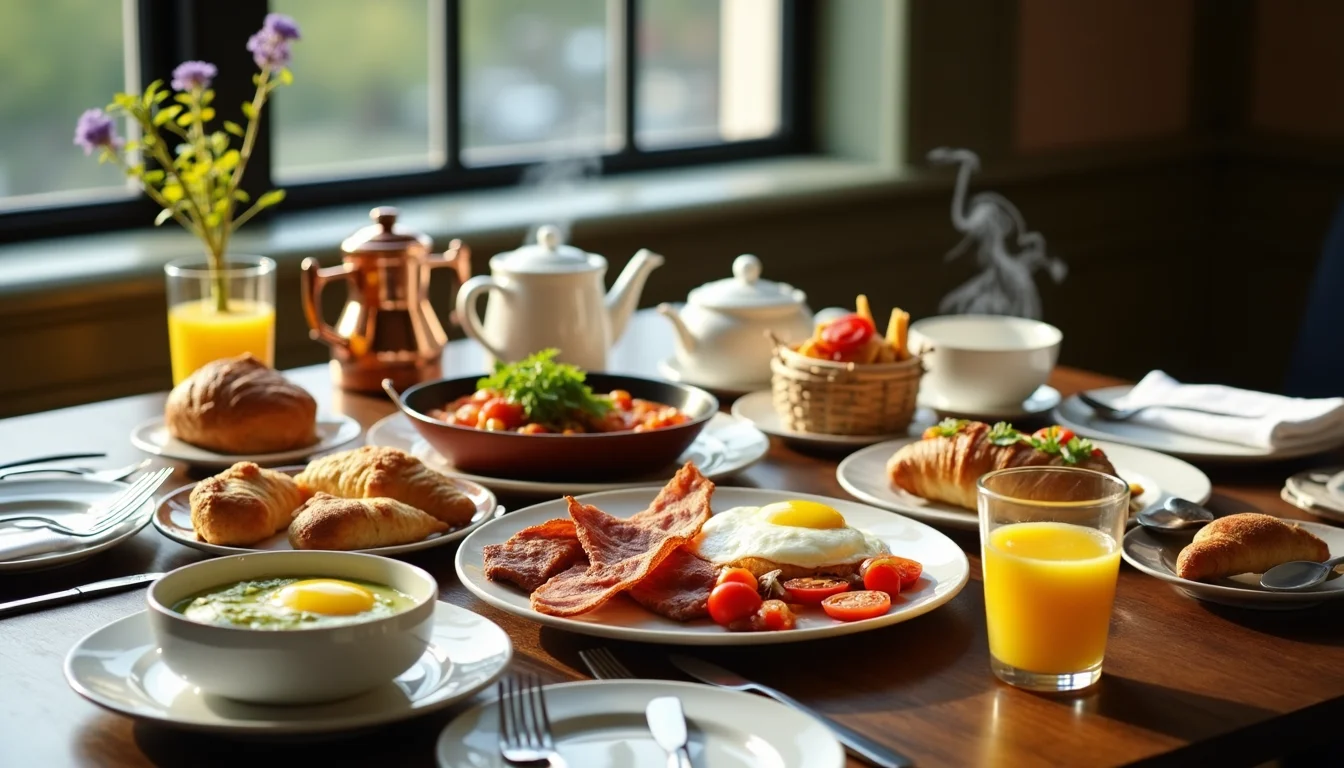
[(200, 331), (1050, 545)]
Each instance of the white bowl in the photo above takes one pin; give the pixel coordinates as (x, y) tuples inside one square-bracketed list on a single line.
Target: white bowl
[(299, 666), (984, 361)]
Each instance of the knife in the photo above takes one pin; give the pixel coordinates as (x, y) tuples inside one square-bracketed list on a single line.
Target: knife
[(668, 725), (855, 743), (58, 457), (108, 586)]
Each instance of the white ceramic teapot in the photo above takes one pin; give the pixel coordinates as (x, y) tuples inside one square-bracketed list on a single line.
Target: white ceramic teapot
[(722, 330), (552, 295)]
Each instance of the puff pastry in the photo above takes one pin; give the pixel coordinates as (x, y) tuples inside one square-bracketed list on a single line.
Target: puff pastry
[(375, 471), (241, 406), (243, 505), (327, 522), (1246, 543)]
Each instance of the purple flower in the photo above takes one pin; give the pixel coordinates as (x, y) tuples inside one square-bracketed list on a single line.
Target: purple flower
[(281, 26), (190, 75), (95, 129), (269, 50)]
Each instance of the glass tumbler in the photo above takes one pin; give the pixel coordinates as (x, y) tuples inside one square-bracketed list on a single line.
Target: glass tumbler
[(203, 326)]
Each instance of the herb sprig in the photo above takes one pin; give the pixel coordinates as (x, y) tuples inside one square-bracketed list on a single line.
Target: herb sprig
[(1072, 451), (551, 393)]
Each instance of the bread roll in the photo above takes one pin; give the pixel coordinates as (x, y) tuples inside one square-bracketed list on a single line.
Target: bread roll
[(375, 471), (326, 522), (243, 505), (240, 406), (1247, 543)]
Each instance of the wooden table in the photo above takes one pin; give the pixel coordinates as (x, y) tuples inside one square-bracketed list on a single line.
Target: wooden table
[(1185, 684)]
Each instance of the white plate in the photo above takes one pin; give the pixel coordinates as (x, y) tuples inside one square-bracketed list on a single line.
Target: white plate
[(759, 409), (172, 518), (1075, 415), (601, 724), (670, 369), (66, 500), (152, 436), (1310, 492), (726, 446), (1155, 555), (1042, 400), (118, 668), (945, 573), (864, 474)]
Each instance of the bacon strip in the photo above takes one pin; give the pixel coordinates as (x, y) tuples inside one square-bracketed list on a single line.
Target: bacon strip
[(533, 555), (678, 588)]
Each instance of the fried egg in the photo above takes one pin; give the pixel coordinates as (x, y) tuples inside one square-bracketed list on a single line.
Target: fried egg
[(806, 534), (328, 597)]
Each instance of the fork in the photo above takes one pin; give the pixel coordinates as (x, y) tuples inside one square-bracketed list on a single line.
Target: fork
[(1111, 413), (524, 727), (117, 512), (604, 665), (87, 473)]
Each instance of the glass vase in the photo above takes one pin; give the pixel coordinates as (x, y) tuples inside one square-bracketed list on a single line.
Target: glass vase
[(204, 326)]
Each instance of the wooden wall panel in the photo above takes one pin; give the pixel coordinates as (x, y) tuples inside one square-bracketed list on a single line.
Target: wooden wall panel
[(1297, 87)]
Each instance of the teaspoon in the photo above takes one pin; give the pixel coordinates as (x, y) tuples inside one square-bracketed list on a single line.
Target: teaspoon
[(1176, 515), (1298, 575)]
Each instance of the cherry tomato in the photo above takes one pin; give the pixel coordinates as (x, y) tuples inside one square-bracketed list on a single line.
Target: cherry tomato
[(847, 333), (775, 615), (732, 601), (856, 606), (1097, 453), (737, 574), (621, 399), (814, 589), (467, 414), (906, 569), (1060, 434), (883, 576), (509, 414)]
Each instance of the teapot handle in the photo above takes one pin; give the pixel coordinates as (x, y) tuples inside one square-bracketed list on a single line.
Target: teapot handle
[(314, 278), (457, 256), (467, 297)]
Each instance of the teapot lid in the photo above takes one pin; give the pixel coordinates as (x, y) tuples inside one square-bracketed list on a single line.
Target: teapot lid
[(380, 237), (746, 289), (549, 254)]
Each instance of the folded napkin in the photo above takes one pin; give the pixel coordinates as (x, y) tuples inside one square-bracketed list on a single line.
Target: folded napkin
[(1255, 419), (23, 543)]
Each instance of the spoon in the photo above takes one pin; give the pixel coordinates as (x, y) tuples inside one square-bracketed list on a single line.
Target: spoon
[(1174, 516), (1298, 575)]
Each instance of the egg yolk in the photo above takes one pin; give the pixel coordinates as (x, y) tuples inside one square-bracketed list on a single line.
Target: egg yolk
[(329, 597), (802, 514)]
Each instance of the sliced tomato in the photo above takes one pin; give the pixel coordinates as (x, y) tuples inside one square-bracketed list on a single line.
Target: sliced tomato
[(737, 574), (1054, 432), (732, 601), (775, 616), (890, 574), (814, 589), (847, 333), (511, 415), (856, 606)]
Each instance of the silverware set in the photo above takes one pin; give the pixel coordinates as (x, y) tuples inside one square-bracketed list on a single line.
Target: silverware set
[(112, 514), (86, 473), (1107, 412)]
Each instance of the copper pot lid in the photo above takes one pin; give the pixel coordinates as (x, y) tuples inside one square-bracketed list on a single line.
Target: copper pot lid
[(381, 237)]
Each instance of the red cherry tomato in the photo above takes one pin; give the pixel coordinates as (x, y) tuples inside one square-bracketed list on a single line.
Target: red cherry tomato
[(1060, 434), (847, 333), (1097, 453), (732, 601), (775, 615), (741, 575), (814, 589), (621, 399), (883, 576), (856, 606), (467, 414), (906, 569), (510, 414)]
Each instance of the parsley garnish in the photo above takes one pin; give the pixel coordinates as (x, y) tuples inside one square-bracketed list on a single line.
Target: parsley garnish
[(949, 427), (551, 393), (1003, 434)]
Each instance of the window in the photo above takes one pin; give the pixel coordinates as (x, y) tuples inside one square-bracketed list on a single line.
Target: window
[(403, 97)]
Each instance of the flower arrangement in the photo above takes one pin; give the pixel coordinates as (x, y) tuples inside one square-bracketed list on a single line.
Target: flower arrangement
[(198, 181)]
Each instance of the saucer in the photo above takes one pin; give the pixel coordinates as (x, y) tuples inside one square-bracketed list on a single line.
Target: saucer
[(759, 409), (333, 431), (118, 668), (1310, 491), (670, 369), (1041, 401)]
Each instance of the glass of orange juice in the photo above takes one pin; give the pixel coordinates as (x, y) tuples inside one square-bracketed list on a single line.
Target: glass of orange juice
[(1050, 545), (202, 328)]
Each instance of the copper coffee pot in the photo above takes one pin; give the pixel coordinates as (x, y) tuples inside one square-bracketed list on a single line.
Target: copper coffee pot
[(388, 328)]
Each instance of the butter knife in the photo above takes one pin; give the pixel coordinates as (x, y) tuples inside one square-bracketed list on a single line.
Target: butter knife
[(57, 457), (668, 724), (108, 586), (855, 743)]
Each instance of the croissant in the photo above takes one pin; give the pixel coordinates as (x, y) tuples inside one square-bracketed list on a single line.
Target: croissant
[(240, 406), (243, 505), (326, 522), (374, 471), (946, 468), (1246, 543)]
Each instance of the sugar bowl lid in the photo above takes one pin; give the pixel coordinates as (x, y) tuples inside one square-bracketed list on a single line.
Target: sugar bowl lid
[(746, 289), (549, 254), (381, 237)]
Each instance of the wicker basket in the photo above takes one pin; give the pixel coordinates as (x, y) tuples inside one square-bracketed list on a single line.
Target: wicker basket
[(825, 397)]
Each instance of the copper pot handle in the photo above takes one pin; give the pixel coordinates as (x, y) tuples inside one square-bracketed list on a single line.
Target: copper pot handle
[(314, 277), (457, 256)]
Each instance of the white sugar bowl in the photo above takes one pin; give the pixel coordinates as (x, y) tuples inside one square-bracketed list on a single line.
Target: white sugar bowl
[(722, 332)]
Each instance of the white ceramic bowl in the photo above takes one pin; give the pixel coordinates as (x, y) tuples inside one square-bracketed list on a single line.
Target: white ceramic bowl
[(984, 361), (299, 666)]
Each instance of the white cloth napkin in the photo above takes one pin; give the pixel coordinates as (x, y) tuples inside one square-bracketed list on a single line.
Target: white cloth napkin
[(1255, 419), (20, 544)]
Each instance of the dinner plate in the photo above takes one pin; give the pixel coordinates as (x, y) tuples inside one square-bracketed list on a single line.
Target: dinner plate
[(1076, 415), (945, 572), (726, 446), (118, 667), (1311, 492), (68, 501), (333, 431), (1155, 555), (172, 517), (864, 474), (759, 409), (601, 724), (1041, 401)]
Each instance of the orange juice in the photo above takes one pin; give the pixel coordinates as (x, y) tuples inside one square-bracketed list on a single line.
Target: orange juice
[(198, 333), (1048, 594)]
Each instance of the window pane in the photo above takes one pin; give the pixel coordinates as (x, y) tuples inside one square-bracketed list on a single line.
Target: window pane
[(367, 89), (58, 58), (709, 71), (535, 79)]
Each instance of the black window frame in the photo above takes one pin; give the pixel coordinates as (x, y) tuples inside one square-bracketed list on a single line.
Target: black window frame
[(172, 31)]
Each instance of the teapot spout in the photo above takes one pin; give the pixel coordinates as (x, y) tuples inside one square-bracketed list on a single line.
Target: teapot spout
[(685, 341), (624, 294)]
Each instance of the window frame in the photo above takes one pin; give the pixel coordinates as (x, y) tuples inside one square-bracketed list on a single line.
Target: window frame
[(172, 31)]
